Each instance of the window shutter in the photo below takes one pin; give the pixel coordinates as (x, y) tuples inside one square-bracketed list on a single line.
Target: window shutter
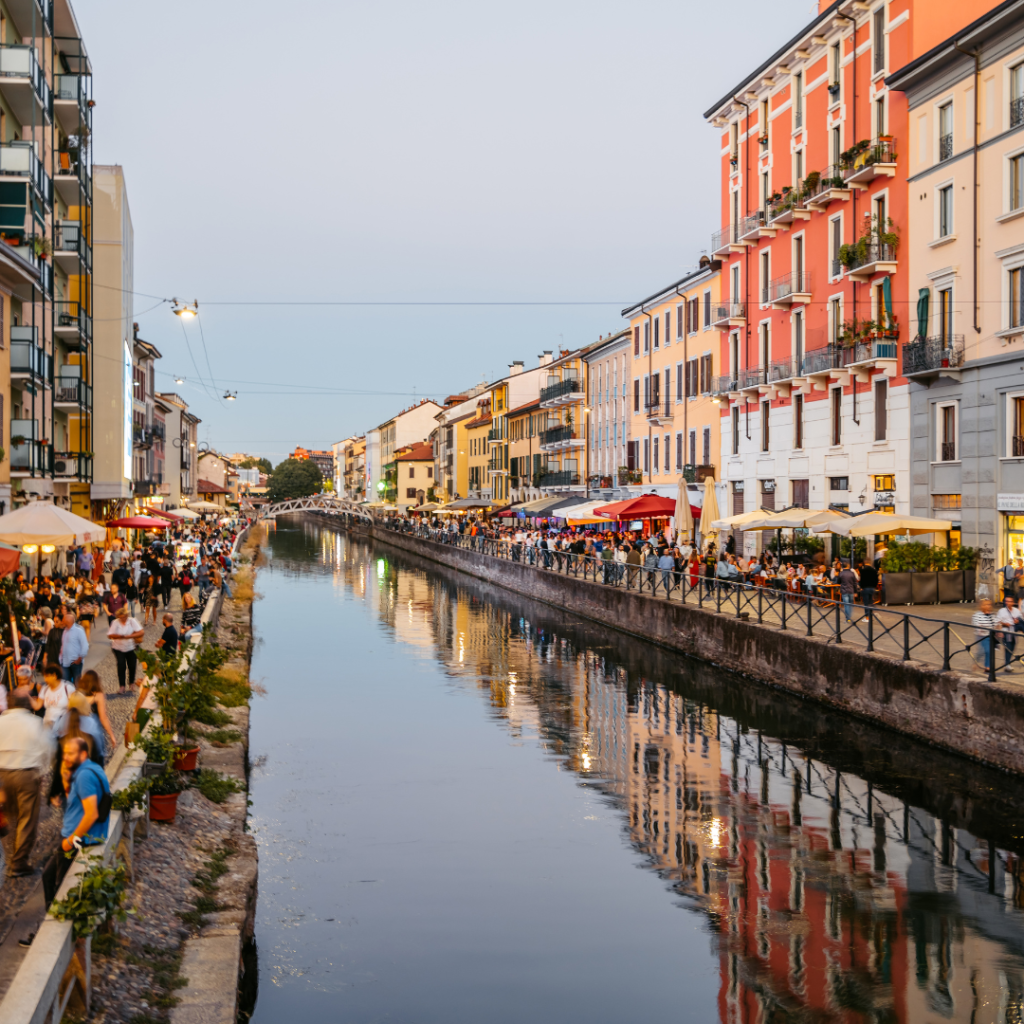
[(679, 321), (668, 325), (679, 451), (707, 308), (636, 340), (636, 394)]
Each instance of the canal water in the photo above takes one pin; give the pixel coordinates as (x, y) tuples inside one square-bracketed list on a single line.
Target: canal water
[(474, 808)]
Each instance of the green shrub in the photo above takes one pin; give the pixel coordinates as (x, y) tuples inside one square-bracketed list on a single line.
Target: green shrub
[(214, 786)]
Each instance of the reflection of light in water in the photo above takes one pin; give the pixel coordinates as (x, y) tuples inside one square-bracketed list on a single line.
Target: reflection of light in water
[(380, 568), (714, 832), (585, 761)]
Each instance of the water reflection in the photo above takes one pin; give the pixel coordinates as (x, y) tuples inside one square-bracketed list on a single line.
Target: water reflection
[(845, 874)]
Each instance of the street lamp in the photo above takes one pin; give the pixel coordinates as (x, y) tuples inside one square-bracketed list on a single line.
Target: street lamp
[(184, 310)]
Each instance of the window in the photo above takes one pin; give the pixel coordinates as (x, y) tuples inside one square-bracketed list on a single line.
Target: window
[(656, 453), (945, 131), (945, 211), (837, 149), (734, 354), (880, 116), (1017, 428), (657, 332), (766, 409), (887, 482), (636, 341), (647, 335), (647, 455), (636, 394), (679, 451), (878, 39), (410, 492), (764, 126), (881, 410), (693, 447), (798, 167), (764, 277), (707, 446), (694, 315), (735, 430), (945, 312), (668, 388), (798, 341), (705, 374), (947, 432), (679, 320), (668, 453), (1016, 182), (668, 325), (948, 502), (798, 421), (765, 348), (1017, 298), (836, 319), (1017, 96), (838, 483), (798, 101), (734, 142), (412, 472), (707, 310), (836, 225), (679, 382), (836, 71), (837, 416)]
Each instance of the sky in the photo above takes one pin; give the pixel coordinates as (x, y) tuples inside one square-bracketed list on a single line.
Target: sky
[(551, 152)]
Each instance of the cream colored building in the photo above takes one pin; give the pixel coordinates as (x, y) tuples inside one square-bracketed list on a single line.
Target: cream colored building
[(965, 246)]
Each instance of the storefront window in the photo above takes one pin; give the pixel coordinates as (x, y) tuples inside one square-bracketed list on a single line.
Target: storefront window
[(1015, 536)]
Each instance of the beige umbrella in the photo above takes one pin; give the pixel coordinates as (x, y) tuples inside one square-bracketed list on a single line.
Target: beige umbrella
[(795, 519), (741, 520), (41, 522), (205, 506), (709, 510), (684, 515), (883, 523)]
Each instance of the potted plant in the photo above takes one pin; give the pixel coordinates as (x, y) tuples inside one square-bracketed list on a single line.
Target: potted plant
[(17, 440), (163, 796), (42, 246), (97, 900), (159, 749), (133, 795)]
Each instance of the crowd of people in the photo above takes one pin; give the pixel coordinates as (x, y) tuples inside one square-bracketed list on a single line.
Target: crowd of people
[(55, 728)]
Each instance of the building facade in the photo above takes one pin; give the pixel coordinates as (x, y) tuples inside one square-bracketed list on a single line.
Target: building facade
[(608, 371), (477, 450), (563, 436), (415, 475), (966, 268), (148, 429)]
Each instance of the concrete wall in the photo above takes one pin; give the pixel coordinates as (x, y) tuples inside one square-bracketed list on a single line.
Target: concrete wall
[(964, 714)]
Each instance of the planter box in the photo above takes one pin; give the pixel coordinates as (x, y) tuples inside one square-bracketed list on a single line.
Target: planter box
[(951, 586), (970, 584), (924, 587), (151, 769), (898, 587)]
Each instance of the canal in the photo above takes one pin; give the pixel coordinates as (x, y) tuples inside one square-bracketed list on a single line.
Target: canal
[(471, 807)]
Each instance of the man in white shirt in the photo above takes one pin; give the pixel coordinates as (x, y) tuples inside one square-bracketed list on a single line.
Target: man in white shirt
[(1010, 618), (26, 749), (124, 633)]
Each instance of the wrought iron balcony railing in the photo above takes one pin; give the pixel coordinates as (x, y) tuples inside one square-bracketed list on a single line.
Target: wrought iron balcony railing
[(571, 386), (930, 355)]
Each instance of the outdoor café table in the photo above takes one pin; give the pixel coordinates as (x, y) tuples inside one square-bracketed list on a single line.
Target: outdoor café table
[(828, 592)]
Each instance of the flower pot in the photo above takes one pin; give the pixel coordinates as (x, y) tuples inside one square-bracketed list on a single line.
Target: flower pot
[(163, 808), (151, 769), (185, 760)]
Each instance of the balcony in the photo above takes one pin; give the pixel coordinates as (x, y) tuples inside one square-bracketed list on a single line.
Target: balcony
[(945, 146), (142, 437), (497, 466), (726, 241), (72, 465), (947, 451), (72, 391), (18, 161), (753, 227), (148, 487), (933, 357), (30, 458), (559, 437), (729, 314), (72, 324), (751, 380), (864, 261), (31, 15), (28, 360), (629, 476), (158, 431), (790, 290), (23, 84), (72, 251), (789, 207), (70, 101), (562, 392), (71, 177), (1017, 112), (872, 160), (829, 187), (560, 478), (724, 386), (658, 410), (494, 434), (1017, 446)]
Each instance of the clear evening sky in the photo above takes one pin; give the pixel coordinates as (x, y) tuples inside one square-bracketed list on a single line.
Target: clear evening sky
[(339, 151)]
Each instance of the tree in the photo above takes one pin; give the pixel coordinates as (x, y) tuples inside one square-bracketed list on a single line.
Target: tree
[(263, 465), (294, 478)]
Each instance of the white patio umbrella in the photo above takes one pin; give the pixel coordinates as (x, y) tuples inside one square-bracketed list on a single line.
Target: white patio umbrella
[(684, 515), (40, 522), (205, 506), (186, 512), (791, 519), (709, 513), (741, 520), (881, 523)]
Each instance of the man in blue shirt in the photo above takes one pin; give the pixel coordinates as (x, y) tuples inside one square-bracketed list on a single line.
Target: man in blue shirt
[(73, 647), (86, 785)]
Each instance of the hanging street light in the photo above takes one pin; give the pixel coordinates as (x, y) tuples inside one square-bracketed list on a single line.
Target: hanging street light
[(184, 310)]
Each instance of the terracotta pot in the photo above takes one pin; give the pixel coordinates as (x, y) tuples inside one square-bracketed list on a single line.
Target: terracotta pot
[(163, 808), (185, 760)]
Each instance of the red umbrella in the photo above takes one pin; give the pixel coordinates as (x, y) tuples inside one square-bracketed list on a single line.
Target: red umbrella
[(166, 515), (647, 506), (140, 523)]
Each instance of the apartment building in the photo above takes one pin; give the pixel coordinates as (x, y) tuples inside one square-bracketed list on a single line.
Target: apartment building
[(415, 475), (408, 427), (374, 480), (477, 450), (355, 468), (608, 371), (46, 236), (323, 460), (674, 419), (563, 436), (180, 460), (451, 465), (525, 459), (148, 429), (966, 272)]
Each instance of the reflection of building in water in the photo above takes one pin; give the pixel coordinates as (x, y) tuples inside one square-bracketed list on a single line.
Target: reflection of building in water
[(830, 900)]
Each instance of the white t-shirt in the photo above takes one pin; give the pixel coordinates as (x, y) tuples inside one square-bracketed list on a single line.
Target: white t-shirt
[(1008, 617), (124, 630), (55, 702)]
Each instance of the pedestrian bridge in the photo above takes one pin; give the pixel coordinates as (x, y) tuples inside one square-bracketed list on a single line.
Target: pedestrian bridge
[(314, 503)]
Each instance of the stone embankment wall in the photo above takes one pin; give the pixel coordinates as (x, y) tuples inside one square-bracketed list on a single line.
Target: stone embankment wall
[(964, 714)]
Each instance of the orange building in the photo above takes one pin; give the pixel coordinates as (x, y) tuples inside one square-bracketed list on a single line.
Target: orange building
[(815, 294)]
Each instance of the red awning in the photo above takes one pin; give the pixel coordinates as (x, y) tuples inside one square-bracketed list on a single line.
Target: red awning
[(140, 523), (9, 561), (165, 515), (647, 506)]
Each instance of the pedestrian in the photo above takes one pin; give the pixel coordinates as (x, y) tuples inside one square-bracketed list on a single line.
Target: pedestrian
[(53, 696), (168, 642), (868, 585), (984, 622), (848, 584), (25, 752), (113, 599), (667, 565), (203, 578), (89, 684), (124, 634), (74, 645), (166, 579), (1010, 575), (150, 598), (1011, 620), (80, 721)]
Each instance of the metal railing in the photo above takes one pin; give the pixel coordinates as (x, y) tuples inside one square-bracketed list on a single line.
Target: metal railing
[(945, 146), (72, 464), (159, 431), (18, 159), (724, 384), (831, 177), (930, 354), (791, 200), (947, 451), (556, 435), (560, 478), (1017, 445), (750, 224), (71, 87), (937, 643), (864, 351), (796, 283), (18, 61), (27, 358), (71, 238), (494, 434), (1016, 111), (73, 315), (32, 456), (569, 386), (873, 252), (723, 238), (73, 390), (726, 311), (880, 151)]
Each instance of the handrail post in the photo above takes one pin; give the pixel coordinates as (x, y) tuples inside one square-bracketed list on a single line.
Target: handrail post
[(871, 631), (784, 602), (700, 591), (810, 628), (991, 655), (906, 637), (718, 596), (760, 615), (839, 626), (945, 647)]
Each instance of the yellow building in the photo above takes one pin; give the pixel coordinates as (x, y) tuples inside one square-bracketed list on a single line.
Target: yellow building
[(525, 459), (415, 475), (497, 444), (478, 483), (675, 420), (563, 435)]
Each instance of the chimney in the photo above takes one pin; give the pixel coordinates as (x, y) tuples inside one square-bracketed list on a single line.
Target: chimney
[(544, 358), (516, 366)]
